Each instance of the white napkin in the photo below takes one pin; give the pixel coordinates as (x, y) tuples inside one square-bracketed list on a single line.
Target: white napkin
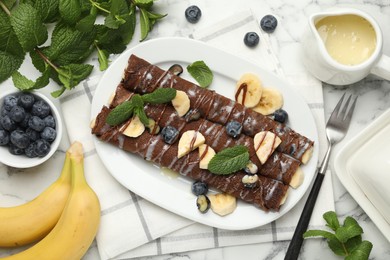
[(133, 227)]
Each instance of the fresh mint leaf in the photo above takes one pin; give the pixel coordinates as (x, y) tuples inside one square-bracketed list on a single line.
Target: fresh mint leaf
[(70, 10), (70, 45), (137, 100), (346, 240), (361, 252), (113, 21), (145, 4), (155, 16), (47, 9), (28, 27), (349, 230), (127, 29), (140, 112), (9, 3), (58, 93), (144, 23), (87, 23), (71, 75), (8, 64), (120, 113), (229, 160), (160, 96), (8, 40), (331, 220), (22, 82), (201, 73), (318, 233)]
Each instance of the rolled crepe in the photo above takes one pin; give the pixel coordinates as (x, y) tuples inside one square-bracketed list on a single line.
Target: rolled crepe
[(279, 166), (268, 194), (142, 77)]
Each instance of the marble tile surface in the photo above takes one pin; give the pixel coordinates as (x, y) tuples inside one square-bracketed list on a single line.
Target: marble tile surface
[(374, 99)]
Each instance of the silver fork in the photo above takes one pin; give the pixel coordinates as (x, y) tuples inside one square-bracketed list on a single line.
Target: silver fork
[(336, 129)]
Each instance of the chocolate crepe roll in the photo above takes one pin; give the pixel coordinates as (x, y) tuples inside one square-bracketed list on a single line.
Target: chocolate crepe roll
[(279, 166), (142, 77), (268, 194)]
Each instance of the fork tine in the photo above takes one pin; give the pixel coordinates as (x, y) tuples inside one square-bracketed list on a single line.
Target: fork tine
[(344, 110), (337, 109), (350, 112)]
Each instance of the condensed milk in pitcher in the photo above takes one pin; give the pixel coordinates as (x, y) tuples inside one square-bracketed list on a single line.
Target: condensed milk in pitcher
[(344, 45)]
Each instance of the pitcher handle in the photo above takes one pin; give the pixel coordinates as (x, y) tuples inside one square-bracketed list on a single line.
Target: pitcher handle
[(382, 68)]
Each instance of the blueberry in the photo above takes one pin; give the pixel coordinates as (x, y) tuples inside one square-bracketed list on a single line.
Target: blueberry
[(24, 123), (4, 137), (4, 112), (280, 115), (233, 128), (17, 114), (199, 188), (7, 123), (32, 134), (36, 123), (269, 23), (20, 139), (251, 39), (170, 134), (193, 14), (10, 101), (15, 150), (30, 151), (49, 121), (48, 134), (26, 100), (41, 109), (42, 147)]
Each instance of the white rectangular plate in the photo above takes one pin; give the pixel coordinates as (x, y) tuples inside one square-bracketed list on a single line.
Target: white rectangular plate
[(173, 192), (368, 154)]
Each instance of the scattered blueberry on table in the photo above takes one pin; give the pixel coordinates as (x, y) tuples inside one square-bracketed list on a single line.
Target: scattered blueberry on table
[(27, 125), (193, 14), (268, 23), (251, 39)]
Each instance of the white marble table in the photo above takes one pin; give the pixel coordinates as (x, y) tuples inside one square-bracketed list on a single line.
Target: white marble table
[(373, 95)]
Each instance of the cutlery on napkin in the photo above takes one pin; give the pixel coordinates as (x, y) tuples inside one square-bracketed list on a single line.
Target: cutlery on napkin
[(133, 227)]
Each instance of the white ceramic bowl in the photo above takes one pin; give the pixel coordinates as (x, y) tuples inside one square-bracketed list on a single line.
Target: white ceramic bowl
[(22, 161)]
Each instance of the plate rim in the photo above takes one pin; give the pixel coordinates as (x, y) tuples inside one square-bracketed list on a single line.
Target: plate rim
[(199, 44)]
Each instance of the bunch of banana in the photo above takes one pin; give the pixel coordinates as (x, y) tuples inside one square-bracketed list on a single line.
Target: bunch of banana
[(30, 222), (78, 224), (251, 93)]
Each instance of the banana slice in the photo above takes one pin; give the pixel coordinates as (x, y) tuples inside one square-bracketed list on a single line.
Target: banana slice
[(222, 203), (135, 128), (205, 155), (270, 101), (297, 178), (181, 103), (307, 155), (248, 90), (189, 141)]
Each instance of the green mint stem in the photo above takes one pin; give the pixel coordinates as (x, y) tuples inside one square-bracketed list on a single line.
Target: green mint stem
[(99, 7), (46, 59), (4, 8)]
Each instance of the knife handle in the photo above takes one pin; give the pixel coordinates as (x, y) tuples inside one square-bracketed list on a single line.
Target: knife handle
[(297, 239)]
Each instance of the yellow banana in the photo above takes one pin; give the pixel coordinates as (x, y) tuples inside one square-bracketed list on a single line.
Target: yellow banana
[(78, 224), (29, 222)]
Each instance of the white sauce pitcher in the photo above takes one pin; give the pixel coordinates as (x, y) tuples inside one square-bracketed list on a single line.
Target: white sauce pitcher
[(320, 63)]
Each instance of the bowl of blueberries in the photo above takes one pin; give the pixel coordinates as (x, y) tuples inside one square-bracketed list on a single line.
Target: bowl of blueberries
[(30, 128)]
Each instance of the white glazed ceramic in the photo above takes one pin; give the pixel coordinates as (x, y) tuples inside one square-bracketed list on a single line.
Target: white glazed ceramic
[(22, 161), (318, 61)]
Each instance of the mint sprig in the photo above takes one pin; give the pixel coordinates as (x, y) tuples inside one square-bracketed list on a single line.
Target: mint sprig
[(229, 160), (78, 33), (201, 73), (347, 238), (135, 105)]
